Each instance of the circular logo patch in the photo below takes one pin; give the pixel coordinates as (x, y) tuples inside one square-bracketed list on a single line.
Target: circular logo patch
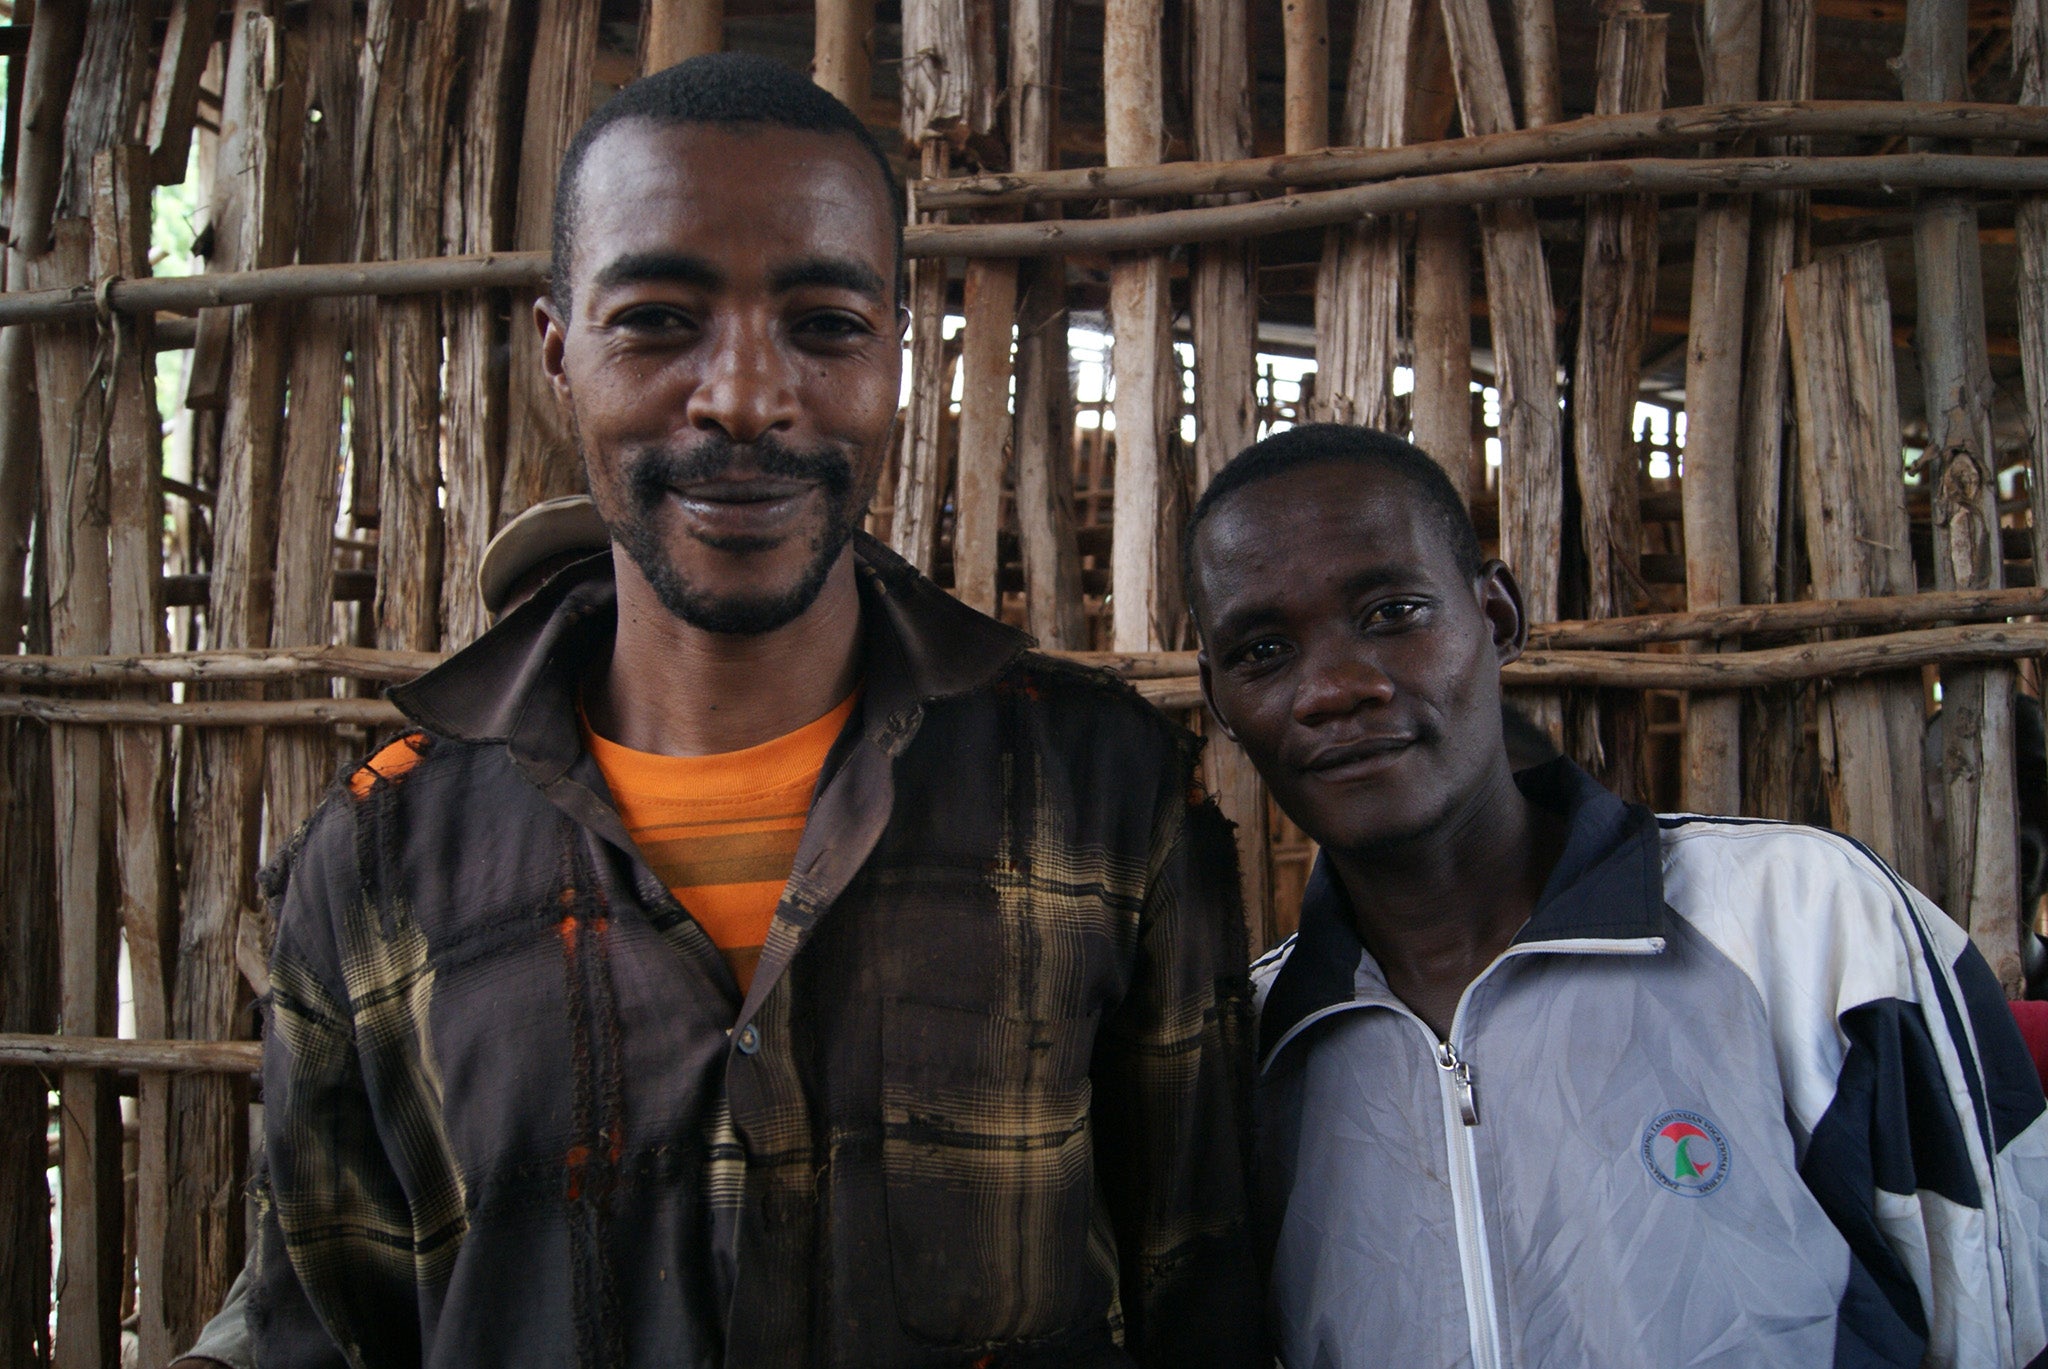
[(1685, 1152)]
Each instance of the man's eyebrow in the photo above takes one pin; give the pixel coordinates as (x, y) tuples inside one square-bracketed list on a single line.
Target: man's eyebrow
[(842, 273), (638, 268)]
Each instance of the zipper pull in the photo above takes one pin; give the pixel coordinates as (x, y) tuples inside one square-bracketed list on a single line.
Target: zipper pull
[(1461, 1075)]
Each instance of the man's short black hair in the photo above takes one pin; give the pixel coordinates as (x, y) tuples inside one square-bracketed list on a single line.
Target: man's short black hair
[(1315, 444), (734, 88)]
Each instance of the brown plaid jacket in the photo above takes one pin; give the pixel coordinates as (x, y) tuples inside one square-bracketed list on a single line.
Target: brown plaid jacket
[(985, 1104)]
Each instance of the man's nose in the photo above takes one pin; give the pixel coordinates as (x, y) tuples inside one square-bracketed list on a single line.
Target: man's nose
[(747, 387), (1338, 682)]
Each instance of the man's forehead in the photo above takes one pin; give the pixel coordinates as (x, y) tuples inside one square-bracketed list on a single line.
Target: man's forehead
[(668, 158)]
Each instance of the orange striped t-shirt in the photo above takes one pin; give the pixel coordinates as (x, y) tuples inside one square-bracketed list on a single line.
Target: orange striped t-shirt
[(722, 831)]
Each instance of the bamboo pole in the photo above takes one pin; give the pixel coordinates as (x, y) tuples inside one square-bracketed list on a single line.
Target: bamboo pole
[(845, 50), (299, 766), (1524, 340), (1978, 837), (1838, 322), (1133, 75), (142, 764), (1045, 427), (540, 459), (672, 31), (1598, 135), (1774, 723), (1305, 30)]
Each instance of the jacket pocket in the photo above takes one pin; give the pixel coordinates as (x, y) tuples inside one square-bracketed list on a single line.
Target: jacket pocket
[(989, 1170)]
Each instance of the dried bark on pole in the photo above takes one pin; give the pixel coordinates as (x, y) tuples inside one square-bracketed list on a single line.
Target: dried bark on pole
[(1536, 51), (1730, 37), (142, 764), (1978, 848), (1440, 310), (1773, 721), (1524, 341), (260, 122), (75, 551), (845, 51), (1134, 132), (673, 30), (1223, 294), (1838, 323), (1305, 29), (1044, 435), (477, 211), (914, 522), (1358, 285), (1617, 292), (2030, 236), (991, 311), (188, 37), (540, 459), (309, 474)]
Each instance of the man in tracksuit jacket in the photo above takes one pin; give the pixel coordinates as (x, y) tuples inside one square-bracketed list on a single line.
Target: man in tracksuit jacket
[(1546, 1078)]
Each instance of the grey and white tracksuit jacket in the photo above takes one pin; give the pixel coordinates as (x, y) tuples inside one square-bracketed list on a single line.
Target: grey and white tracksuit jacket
[(1736, 1095)]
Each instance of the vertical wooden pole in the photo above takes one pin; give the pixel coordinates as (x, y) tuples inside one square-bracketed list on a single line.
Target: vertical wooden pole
[(1134, 131), (1729, 41), (1440, 315), (1536, 49), (478, 214), (1979, 874), (846, 50), (672, 31), (188, 37), (1358, 285), (301, 760), (1225, 318), (991, 311), (2030, 235), (1524, 343), (142, 763), (74, 513), (260, 124), (1045, 428), (1772, 719), (1305, 29), (540, 458), (914, 525), (1838, 323)]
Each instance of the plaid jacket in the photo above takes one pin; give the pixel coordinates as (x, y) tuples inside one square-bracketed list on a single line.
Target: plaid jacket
[(986, 1102)]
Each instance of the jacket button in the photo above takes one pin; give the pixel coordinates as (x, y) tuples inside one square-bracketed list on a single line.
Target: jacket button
[(748, 1040)]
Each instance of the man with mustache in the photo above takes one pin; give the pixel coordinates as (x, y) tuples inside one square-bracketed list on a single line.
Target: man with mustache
[(754, 957), (1545, 1078)]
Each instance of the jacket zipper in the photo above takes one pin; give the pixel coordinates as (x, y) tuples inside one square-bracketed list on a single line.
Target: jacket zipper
[(1460, 1100)]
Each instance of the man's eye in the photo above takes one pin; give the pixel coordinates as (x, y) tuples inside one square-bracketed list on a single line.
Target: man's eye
[(1265, 651), (832, 325), (653, 318), (1391, 612)]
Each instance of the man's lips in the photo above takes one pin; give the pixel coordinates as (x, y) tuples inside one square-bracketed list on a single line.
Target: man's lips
[(1363, 753), (761, 491)]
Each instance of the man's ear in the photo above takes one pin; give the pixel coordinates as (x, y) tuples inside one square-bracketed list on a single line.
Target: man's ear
[(1500, 599), (1209, 695), (554, 331)]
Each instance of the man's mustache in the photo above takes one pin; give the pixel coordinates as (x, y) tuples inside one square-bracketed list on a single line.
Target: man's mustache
[(652, 472)]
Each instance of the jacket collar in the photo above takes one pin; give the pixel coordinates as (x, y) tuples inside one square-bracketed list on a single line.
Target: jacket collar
[(1608, 886), (517, 683)]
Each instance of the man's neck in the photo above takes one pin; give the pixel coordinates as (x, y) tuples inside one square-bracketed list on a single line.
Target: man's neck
[(677, 690), (1435, 911)]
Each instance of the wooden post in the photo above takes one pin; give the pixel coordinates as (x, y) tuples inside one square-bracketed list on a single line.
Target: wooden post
[(672, 31), (1730, 37), (1134, 131), (1358, 285), (1618, 289), (991, 312), (261, 120), (75, 549), (301, 763), (1536, 49), (1838, 323), (2030, 236), (1045, 428), (1524, 342), (1979, 872), (188, 37), (142, 764), (1305, 28), (914, 524), (540, 459), (846, 50), (478, 215), (1440, 411), (1774, 732)]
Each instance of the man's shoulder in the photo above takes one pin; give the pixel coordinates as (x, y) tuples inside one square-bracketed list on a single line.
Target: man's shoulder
[(1087, 690)]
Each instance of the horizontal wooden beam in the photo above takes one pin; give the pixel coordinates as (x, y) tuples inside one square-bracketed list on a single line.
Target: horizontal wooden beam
[(220, 713), (205, 667), (121, 1053), (1593, 136), (1803, 615)]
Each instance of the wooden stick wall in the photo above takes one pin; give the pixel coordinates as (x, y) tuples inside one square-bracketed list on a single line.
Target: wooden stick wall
[(199, 602)]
